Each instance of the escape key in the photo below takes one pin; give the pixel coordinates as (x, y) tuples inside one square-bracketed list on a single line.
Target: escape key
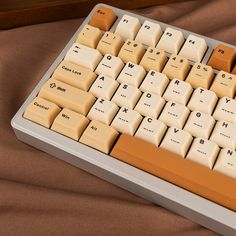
[(103, 18)]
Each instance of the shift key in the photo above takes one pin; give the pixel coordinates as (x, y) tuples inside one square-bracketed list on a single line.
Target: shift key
[(67, 96)]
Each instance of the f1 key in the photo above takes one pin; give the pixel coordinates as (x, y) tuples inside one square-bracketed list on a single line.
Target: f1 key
[(103, 18), (222, 58)]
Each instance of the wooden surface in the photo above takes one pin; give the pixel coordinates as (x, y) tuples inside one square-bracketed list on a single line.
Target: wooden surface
[(15, 13)]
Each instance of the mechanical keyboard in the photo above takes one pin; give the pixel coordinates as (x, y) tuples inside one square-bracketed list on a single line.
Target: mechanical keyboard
[(146, 106)]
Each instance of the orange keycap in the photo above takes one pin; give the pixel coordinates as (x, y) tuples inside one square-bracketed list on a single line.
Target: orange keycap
[(234, 70), (185, 173), (103, 18), (222, 58)]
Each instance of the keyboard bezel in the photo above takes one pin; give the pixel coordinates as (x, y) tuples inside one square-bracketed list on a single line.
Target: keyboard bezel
[(185, 203)]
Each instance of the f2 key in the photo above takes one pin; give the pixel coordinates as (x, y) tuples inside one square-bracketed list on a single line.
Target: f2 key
[(222, 58), (103, 18)]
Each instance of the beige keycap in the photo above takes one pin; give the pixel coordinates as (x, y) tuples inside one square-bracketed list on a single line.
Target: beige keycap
[(203, 100), (151, 130), (132, 74), (126, 95), (203, 152), (110, 66), (149, 33), (104, 87), (126, 121), (67, 96), (128, 27), (171, 40), (75, 75), (131, 51), (110, 43), (103, 110), (200, 76), (155, 82), (177, 141), (178, 91), (226, 110), (99, 136), (41, 111), (226, 162), (176, 67), (199, 124), (70, 124), (154, 59), (224, 134), (194, 48), (224, 84), (174, 114), (89, 36), (150, 104), (83, 56)]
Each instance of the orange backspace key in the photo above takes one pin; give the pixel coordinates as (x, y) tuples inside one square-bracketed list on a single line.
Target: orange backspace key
[(103, 18), (177, 170)]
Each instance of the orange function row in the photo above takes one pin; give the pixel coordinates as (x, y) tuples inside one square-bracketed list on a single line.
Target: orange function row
[(150, 34)]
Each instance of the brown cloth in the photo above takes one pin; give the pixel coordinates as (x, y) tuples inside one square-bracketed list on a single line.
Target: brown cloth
[(40, 195)]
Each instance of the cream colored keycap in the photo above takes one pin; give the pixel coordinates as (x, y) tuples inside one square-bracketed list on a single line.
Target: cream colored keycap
[(194, 48), (224, 84), (177, 67), (155, 82), (131, 51), (103, 110), (149, 33), (174, 114), (126, 121), (154, 59), (104, 87), (199, 124), (110, 43), (126, 95), (224, 134), (226, 162), (99, 136), (178, 91), (110, 66), (226, 110), (89, 36), (203, 100), (150, 104), (200, 75), (41, 111), (67, 96), (203, 152), (132, 74), (171, 41), (83, 56), (75, 75), (128, 27), (70, 124), (151, 130), (177, 141)]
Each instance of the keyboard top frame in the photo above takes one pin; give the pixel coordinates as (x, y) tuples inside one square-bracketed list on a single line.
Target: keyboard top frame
[(154, 184)]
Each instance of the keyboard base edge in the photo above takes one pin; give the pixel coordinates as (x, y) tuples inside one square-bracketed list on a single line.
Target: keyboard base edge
[(136, 188)]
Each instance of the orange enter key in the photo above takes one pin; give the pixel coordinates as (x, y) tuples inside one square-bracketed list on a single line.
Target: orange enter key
[(177, 170)]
